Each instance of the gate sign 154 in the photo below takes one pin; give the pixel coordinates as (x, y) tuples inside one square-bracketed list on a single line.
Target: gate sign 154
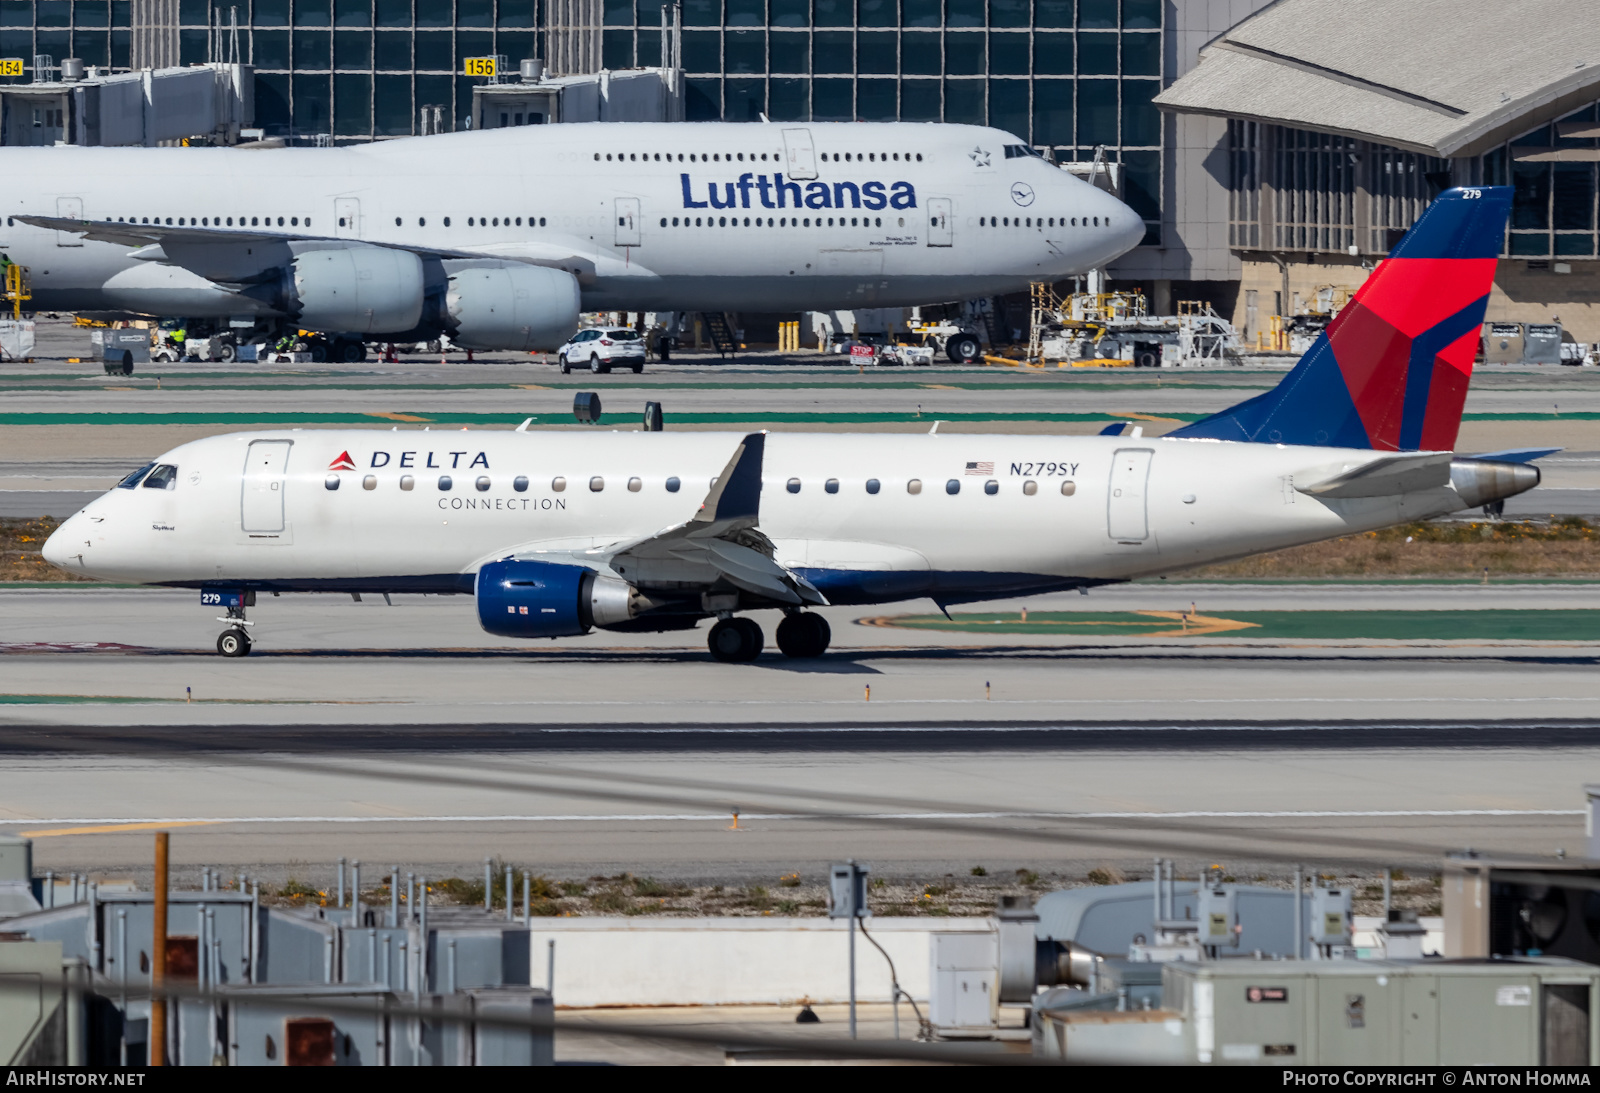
[(10, 66)]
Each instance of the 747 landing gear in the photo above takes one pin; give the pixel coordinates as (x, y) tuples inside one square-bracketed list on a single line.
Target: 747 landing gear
[(804, 634), (735, 641), (235, 640)]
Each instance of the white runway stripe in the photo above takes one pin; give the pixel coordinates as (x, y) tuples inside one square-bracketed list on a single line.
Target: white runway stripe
[(703, 817)]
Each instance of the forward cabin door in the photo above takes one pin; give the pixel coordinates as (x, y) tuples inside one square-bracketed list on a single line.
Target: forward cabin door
[(261, 509), (627, 221), (69, 208), (347, 217), (1126, 518), (800, 155), (940, 232)]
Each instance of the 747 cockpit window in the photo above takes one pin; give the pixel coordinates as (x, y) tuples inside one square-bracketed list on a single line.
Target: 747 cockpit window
[(1018, 151), (164, 477), (132, 479)]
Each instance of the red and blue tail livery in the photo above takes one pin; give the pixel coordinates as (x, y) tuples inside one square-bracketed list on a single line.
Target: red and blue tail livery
[(1391, 371)]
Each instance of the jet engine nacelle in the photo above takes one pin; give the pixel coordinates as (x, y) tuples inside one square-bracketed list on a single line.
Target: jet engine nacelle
[(363, 290), (520, 308), (519, 599)]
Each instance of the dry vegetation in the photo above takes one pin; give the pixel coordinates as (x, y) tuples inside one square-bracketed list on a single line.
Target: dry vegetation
[(1564, 547), (794, 895), (20, 542)]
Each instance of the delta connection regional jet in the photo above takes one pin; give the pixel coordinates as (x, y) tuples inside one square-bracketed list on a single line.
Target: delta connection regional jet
[(558, 534), (499, 238)]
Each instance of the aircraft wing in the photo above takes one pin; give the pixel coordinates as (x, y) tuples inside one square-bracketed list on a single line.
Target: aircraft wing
[(209, 252), (146, 235), (1382, 477), (719, 544)]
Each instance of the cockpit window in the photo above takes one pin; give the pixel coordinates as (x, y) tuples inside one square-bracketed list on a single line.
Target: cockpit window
[(164, 477), (132, 479), (1018, 151)]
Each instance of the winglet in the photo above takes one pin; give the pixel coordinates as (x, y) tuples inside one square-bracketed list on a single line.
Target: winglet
[(1516, 455), (737, 494), (524, 426)]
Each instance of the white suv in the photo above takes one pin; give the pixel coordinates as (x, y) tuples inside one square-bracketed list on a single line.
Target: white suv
[(601, 347)]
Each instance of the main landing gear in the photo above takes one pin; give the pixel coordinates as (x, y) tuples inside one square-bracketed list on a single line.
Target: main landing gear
[(739, 641), (803, 634), (235, 640)]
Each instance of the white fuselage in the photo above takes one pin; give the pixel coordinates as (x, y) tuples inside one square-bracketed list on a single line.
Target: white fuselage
[(646, 216), (1132, 506)]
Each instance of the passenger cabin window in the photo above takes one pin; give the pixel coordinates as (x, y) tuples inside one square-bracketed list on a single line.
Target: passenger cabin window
[(558, 484), (914, 486), (331, 482), (445, 483), (407, 482), (831, 485), (164, 477), (482, 483), (596, 484), (132, 479), (1068, 488), (370, 482), (793, 485), (953, 486), (873, 485), (674, 484), (635, 485), (520, 483), (1030, 487), (991, 487)]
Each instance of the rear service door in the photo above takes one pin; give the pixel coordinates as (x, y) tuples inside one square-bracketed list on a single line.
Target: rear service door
[(261, 509), (1126, 520), (800, 155), (69, 208), (627, 221), (940, 232)]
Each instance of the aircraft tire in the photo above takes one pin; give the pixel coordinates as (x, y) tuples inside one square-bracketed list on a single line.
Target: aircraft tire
[(963, 349), (596, 366), (803, 635), (351, 352), (735, 641), (233, 642)]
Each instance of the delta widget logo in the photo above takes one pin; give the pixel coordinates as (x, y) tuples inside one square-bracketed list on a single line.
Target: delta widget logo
[(343, 463)]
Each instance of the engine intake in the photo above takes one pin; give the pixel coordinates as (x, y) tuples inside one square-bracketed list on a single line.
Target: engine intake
[(522, 599), (520, 308), (363, 290)]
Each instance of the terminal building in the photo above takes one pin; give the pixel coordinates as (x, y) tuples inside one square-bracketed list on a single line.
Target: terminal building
[(1274, 149)]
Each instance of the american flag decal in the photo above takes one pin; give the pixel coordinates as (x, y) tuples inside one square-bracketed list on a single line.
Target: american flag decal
[(980, 468)]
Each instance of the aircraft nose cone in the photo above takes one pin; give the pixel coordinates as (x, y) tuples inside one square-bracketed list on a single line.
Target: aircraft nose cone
[(1129, 228), (55, 547)]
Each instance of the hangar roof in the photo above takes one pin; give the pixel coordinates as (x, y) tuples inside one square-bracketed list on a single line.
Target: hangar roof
[(1440, 77)]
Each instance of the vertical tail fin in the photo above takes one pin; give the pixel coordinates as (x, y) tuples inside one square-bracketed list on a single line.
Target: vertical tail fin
[(1391, 370)]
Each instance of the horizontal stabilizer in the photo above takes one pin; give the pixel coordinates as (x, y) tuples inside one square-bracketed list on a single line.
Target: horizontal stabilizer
[(1515, 455), (1380, 478)]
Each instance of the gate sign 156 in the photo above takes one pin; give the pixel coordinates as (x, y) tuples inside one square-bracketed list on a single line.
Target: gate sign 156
[(479, 66)]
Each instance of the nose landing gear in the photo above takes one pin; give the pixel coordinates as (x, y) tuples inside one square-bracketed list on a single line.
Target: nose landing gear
[(235, 640), (234, 643)]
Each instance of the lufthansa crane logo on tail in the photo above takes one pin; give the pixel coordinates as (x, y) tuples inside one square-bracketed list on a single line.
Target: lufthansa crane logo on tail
[(1022, 194), (343, 463)]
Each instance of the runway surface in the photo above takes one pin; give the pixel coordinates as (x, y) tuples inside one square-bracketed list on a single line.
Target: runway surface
[(405, 734), (402, 733)]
